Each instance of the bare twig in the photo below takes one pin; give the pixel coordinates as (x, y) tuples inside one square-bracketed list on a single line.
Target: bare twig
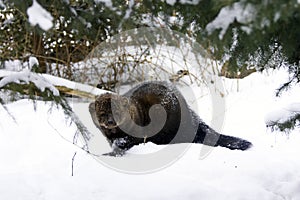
[(73, 159)]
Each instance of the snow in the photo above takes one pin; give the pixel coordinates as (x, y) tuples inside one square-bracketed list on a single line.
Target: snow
[(43, 81), (283, 114), (171, 2), (13, 65), (57, 81), (2, 4), (26, 76), (36, 154), (39, 16), (18, 65), (33, 61), (193, 2), (107, 3), (238, 11), (277, 16), (129, 10)]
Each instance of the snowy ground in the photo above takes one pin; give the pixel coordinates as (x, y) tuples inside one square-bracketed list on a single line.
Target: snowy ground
[(36, 161)]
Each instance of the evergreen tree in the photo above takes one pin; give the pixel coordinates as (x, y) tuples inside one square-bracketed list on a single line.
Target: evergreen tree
[(78, 26)]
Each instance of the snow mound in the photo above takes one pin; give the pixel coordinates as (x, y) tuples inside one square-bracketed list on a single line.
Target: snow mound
[(36, 155)]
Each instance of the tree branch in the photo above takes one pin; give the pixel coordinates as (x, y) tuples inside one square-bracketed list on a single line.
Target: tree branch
[(64, 86)]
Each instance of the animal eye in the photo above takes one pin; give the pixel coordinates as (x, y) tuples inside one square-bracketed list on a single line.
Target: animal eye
[(103, 115)]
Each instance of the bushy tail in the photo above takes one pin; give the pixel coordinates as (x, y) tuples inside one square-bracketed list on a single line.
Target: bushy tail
[(206, 135), (233, 143)]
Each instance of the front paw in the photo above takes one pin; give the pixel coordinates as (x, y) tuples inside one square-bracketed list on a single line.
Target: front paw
[(115, 153)]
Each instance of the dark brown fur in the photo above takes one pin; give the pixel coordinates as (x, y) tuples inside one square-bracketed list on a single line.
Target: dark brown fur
[(137, 117)]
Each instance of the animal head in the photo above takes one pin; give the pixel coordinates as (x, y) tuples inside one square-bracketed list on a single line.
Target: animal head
[(111, 110)]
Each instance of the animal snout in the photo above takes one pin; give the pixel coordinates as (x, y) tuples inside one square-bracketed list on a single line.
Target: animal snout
[(110, 121)]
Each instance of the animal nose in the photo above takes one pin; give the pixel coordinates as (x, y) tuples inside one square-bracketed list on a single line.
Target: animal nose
[(110, 121)]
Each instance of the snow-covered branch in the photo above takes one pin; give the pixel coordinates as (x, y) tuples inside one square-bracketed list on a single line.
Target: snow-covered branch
[(50, 88), (284, 119), (45, 81), (25, 77)]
